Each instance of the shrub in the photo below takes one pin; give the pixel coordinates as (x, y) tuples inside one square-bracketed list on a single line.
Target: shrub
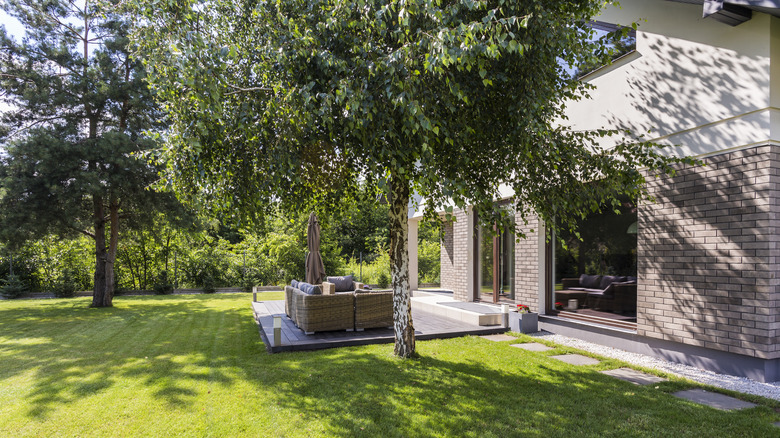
[(64, 288), (13, 287), (383, 280), (209, 284), (163, 285)]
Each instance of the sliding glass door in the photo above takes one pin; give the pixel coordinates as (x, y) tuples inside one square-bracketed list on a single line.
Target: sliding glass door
[(496, 264)]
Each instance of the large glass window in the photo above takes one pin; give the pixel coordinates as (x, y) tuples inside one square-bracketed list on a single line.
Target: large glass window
[(597, 273), (496, 258)]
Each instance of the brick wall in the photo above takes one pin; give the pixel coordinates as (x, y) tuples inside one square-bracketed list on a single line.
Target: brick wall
[(708, 255), (454, 256), (527, 265)]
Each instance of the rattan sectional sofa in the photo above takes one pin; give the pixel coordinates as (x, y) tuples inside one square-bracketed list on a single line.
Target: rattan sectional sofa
[(355, 310)]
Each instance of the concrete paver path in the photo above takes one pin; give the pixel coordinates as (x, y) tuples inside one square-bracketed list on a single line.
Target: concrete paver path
[(576, 359), (532, 346), (634, 376), (713, 399)]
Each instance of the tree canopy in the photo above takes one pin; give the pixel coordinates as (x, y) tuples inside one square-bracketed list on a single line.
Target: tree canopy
[(298, 100), (79, 107)]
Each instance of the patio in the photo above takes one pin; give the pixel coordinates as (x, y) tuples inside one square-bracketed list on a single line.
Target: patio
[(427, 326)]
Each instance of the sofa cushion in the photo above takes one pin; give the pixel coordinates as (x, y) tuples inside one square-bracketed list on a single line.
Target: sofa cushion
[(631, 279), (343, 283), (609, 279), (309, 289), (294, 283), (590, 281)]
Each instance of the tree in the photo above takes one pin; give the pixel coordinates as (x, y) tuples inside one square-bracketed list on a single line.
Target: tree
[(291, 99), (79, 105)]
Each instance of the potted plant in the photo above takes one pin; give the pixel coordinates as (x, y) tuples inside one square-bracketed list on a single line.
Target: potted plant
[(529, 321)]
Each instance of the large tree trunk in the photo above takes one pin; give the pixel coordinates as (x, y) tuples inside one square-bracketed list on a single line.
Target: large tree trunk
[(98, 216), (113, 243), (399, 266)]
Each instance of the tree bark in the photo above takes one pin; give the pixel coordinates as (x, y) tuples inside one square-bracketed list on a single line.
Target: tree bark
[(98, 216), (113, 243), (399, 266)]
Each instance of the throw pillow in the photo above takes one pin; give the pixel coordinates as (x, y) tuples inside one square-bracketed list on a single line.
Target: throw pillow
[(343, 284), (590, 281), (294, 283)]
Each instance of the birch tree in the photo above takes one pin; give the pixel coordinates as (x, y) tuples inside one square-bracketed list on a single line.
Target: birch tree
[(294, 100)]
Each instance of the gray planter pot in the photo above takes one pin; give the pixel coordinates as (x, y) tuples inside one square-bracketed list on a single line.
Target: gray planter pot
[(529, 322)]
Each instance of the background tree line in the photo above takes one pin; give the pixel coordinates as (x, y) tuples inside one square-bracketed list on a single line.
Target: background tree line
[(208, 255)]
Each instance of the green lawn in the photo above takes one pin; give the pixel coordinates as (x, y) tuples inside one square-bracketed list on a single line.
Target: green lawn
[(194, 365)]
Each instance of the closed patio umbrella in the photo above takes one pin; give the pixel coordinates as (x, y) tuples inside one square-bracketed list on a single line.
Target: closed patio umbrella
[(315, 269)]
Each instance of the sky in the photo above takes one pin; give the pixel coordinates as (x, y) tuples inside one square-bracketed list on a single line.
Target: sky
[(14, 28), (12, 25)]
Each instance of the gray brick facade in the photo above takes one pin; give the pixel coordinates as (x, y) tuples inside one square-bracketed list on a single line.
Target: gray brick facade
[(454, 256), (527, 265), (708, 255), (454, 260)]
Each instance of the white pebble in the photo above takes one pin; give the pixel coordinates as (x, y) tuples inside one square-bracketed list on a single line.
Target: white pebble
[(725, 381)]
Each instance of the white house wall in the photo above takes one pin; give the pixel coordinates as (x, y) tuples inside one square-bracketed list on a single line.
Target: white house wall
[(692, 82)]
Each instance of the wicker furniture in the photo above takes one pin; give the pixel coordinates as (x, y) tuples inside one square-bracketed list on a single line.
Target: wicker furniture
[(373, 309), (318, 313), (289, 304), (349, 311), (619, 297)]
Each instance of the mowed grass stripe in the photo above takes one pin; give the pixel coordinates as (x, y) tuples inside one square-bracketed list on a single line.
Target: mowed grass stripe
[(194, 365)]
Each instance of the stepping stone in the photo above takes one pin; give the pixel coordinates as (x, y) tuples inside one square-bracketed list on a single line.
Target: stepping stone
[(499, 338), (532, 346), (634, 376), (576, 359), (713, 399)]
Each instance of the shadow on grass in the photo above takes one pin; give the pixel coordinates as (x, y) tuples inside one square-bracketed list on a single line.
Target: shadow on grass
[(177, 349), (74, 351), (505, 392)]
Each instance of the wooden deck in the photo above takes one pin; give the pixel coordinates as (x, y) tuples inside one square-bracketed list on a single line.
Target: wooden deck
[(426, 326)]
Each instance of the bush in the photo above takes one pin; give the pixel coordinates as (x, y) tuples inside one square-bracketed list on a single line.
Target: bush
[(209, 285), (163, 285), (13, 287), (64, 288), (249, 282), (383, 280)]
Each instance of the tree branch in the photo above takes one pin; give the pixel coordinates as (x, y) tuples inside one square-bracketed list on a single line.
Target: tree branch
[(246, 90)]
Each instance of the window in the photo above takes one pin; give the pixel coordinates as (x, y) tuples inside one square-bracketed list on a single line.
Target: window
[(598, 275), (619, 40)]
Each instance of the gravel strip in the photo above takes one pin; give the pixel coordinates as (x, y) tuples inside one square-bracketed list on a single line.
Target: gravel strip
[(733, 383)]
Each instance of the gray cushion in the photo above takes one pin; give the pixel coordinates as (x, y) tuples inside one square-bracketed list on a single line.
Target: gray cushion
[(593, 290), (631, 279), (309, 288), (590, 281), (343, 284)]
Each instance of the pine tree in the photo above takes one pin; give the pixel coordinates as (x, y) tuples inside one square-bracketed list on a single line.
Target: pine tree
[(79, 107)]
